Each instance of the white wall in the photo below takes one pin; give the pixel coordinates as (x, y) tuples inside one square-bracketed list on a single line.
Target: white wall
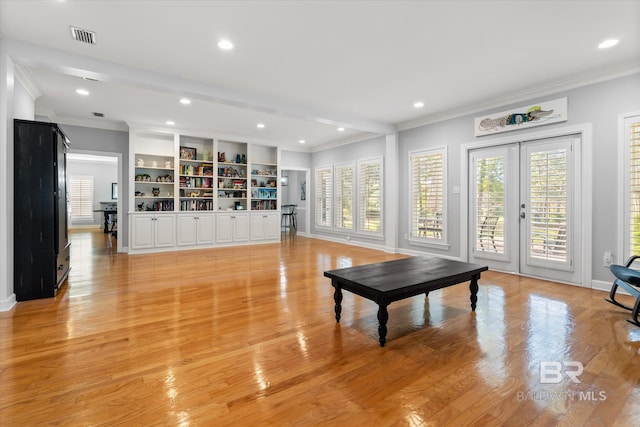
[(23, 103), (7, 79), (598, 105)]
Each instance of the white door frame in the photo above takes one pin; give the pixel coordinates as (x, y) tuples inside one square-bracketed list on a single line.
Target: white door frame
[(586, 159), (307, 214), (120, 214)]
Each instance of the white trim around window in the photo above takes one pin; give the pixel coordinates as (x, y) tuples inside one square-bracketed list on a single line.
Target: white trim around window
[(629, 185)]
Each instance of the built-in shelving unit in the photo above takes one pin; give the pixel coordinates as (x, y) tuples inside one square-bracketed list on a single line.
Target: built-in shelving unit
[(264, 178), (194, 191), (232, 176), (196, 180), (154, 174)]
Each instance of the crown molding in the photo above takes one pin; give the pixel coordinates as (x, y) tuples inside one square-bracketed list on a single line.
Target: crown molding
[(24, 76), (345, 141), (585, 79)]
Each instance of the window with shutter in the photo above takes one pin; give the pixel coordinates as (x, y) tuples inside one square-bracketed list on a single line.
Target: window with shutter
[(489, 204), (428, 195), (323, 198), (344, 196), (81, 198), (632, 184), (370, 196), (548, 204)]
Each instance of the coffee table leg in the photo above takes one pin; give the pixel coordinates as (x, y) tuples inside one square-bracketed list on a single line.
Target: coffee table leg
[(383, 316), (337, 297), (473, 287)]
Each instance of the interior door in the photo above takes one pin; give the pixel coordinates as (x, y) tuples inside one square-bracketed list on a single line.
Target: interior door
[(521, 200)]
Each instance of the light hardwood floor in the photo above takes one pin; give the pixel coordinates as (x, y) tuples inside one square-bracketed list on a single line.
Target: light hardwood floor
[(247, 336)]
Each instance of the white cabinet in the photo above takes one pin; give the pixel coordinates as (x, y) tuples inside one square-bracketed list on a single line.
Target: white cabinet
[(153, 230), (196, 229), (265, 226), (232, 227)]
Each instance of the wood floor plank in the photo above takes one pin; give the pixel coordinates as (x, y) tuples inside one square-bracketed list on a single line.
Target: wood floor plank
[(247, 336)]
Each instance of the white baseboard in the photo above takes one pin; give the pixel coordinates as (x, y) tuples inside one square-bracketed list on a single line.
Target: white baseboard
[(600, 285), (421, 253), (353, 243), (9, 303)]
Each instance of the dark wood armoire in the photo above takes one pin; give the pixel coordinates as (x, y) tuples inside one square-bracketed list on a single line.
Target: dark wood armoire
[(41, 237)]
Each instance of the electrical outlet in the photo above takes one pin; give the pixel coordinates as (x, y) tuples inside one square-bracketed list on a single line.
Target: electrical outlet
[(607, 259)]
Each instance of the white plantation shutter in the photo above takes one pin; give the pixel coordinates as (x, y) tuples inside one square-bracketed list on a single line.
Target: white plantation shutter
[(344, 196), (548, 204), (323, 199), (81, 197), (370, 195), (428, 195), (490, 202), (632, 143)]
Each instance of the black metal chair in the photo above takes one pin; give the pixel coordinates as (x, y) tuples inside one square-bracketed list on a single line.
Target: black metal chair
[(628, 279), (289, 216)]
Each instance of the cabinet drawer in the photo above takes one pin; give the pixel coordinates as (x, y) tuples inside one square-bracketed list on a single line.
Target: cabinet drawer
[(62, 265)]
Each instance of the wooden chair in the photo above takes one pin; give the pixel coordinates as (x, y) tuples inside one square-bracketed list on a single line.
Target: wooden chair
[(628, 279)]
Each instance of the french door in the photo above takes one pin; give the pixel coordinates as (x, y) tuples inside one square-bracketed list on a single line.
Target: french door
[(521, 201)]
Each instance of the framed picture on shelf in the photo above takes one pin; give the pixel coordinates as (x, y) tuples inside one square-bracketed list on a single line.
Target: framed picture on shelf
[(187, 153)]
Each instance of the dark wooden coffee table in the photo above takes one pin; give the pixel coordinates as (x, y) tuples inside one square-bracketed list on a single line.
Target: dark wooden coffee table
[(386, 282)]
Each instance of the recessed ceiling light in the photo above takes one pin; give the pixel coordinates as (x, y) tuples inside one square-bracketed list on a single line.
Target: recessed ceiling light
[(83, 92), (608, 43), (170, 122), (302, 141), (225, 44), (260, 125), (185, 101), (418, 104), (340, 129)]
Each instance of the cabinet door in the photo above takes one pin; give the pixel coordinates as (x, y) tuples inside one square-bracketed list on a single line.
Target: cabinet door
[(272, 226), (142, 231), (224, 232), (187, 230), (165, 231), (205, 229), (257, 227), (240, 228)]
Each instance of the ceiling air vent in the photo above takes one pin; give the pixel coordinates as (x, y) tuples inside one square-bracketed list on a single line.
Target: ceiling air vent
[(84, 36)]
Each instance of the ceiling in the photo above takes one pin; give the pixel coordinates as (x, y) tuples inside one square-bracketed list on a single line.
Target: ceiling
[(305, 68)]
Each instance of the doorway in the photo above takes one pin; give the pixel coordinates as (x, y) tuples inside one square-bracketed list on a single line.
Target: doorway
[(524, 215)]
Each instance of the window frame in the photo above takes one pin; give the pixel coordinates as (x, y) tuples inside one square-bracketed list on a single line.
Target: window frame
[(442, 242), (359, 196)]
